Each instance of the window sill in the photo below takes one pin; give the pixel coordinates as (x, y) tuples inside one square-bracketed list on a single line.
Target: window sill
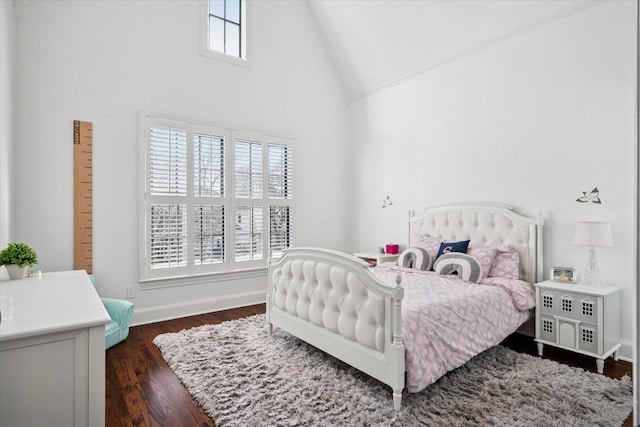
[(229, 59), (200, 279)]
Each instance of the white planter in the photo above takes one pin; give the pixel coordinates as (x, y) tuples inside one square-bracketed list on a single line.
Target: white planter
[(16, 272)]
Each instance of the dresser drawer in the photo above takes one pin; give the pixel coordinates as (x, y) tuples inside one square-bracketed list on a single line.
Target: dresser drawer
[(588, 338), (569, 334), (563, 332), (547, 329), (584, 308)]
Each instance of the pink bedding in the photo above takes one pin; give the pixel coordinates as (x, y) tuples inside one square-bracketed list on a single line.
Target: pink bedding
[(446, 321)]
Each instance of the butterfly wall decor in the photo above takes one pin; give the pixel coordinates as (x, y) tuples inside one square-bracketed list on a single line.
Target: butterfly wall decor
[(592, 196)]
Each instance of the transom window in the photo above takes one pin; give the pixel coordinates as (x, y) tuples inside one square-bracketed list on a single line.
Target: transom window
[(215, 199), (225, 28)]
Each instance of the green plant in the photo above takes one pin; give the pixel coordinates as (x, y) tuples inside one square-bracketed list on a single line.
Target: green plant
[(18, 254)]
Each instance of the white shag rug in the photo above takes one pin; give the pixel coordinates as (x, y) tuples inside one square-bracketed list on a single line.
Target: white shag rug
[(243, 376)]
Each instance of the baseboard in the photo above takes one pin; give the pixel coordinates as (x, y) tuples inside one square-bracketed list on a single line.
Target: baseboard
[(626, 351), (191, 308)]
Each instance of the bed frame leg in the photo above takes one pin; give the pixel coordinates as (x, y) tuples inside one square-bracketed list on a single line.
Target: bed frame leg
[(269, 328), (397, 399)]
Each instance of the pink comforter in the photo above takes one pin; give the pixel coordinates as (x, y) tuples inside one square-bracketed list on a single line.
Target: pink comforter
[(446, 321)]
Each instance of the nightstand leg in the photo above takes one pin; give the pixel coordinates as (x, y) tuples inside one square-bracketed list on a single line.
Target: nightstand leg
[(540, 348), (600, 365), (615, 355)]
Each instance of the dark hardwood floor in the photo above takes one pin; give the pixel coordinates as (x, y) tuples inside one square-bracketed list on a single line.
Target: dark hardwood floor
[(141, 390)]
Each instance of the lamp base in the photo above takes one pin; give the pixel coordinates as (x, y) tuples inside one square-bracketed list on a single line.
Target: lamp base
[(591, 275)]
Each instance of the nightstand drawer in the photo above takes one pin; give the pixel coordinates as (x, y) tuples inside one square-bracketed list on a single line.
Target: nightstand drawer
[(569, 333), (547, 330), (588, 338), (585, 308)]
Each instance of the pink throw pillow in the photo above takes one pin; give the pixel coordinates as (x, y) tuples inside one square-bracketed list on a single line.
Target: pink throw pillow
[(506, 263), (430, 244), (484, 256)]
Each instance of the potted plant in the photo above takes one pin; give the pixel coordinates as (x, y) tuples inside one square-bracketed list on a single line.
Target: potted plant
[(16, 257)]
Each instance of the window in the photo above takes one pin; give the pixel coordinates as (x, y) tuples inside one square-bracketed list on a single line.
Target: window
[(225, 29), (215, 199)]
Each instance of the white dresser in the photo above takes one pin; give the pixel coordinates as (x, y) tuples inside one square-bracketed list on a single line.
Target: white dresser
[(52, 351), (583, 319)]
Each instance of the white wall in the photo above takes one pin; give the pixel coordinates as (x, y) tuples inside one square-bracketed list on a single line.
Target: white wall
[(530, 122), (104, 62), (7, 60)]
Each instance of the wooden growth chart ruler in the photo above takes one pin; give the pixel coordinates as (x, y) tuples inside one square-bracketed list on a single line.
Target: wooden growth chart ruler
[(83, 196)]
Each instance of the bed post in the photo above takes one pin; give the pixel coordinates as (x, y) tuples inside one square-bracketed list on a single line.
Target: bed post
[(269, 289), (398, 348), (411, 215), (539, 268)]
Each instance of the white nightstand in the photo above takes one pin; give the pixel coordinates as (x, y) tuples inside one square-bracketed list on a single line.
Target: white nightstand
[(584, 319), (375, 258)]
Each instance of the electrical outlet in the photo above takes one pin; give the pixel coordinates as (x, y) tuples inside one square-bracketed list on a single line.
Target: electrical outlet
[(131, 292)]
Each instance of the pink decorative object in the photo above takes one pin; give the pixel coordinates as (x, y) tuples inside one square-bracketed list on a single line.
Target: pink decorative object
[(392, 248)]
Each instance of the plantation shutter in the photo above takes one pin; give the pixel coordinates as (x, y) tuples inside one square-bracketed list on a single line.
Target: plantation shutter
[(280, 172), (213, 200), (167, 246), (168, 235), (280, 197), (168, 161), (248, 169), (209, 191), (248, 214), (279, 229)]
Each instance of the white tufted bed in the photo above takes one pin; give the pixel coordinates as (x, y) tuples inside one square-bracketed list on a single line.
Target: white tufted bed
[(339, 304)]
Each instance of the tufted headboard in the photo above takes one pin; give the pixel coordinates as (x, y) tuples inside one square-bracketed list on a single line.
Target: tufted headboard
[(485, 224)]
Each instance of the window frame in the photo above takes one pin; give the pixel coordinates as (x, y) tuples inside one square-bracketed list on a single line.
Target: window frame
[(245, 36), (229, 265)]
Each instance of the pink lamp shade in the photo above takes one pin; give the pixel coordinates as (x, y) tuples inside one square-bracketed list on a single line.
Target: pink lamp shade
[(590, 233)]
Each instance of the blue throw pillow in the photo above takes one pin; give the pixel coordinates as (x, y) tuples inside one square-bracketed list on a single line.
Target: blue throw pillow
[(448, 247)]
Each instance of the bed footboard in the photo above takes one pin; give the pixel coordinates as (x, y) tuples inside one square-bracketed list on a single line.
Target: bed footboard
[(334, 302)]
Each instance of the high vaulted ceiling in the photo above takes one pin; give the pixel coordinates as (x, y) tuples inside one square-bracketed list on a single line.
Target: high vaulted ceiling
[(377, 43)]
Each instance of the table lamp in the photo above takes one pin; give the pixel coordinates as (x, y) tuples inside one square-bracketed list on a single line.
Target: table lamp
[(591, 233)]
